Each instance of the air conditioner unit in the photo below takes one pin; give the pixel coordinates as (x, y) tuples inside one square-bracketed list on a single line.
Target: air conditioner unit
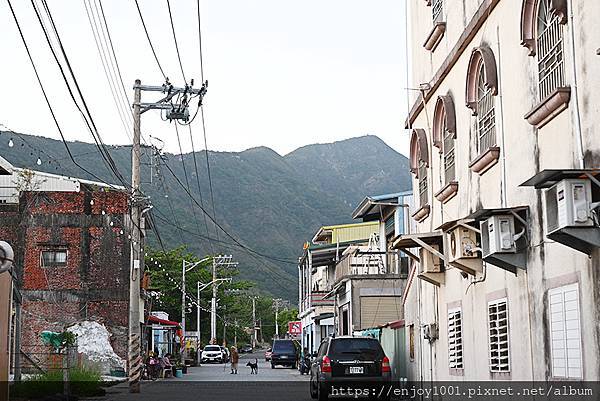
[(462, 244), (498, 235), (430, 263), (568, 205), (430, 331)]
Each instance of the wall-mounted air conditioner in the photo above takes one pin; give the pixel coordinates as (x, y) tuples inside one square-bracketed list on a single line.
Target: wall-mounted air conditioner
[(430, 263), (568, 205), (430, 331), (462, 243), (498, 235)]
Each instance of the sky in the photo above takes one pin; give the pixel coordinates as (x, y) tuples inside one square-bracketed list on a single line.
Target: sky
[(280, 73)]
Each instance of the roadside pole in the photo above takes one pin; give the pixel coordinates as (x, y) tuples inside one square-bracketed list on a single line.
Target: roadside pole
[(213, 302), (134, 357), (198, 342), (182, 345), (253, 322)]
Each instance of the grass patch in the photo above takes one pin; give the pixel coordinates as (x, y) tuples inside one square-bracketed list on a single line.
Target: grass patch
[(83, 382)]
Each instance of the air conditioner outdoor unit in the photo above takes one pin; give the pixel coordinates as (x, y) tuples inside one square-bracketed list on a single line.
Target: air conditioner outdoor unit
[(430, 331), (430, 263), (498, 235), (568, 205), (462, 243)]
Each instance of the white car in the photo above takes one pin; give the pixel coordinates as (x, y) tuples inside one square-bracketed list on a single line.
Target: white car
[(212, 353)]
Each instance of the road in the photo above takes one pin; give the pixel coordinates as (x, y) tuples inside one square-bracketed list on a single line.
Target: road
[(215, 383)]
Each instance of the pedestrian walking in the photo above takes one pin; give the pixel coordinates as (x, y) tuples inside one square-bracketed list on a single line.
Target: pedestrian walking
[(235, 358)]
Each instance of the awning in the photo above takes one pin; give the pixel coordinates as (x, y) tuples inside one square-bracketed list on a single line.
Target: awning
[(420, 240), (483, 214), (323, 316), (466, 222), (164, 322), (547, 178)]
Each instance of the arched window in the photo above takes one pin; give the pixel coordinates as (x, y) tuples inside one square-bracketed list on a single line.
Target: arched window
[(486, 115), (419, 163), (549, 49), (444, 134)]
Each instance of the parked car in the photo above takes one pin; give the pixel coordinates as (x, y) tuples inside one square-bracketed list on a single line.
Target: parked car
[(246, 349), (286, 353), (226, 354), (211, 353), (268, 354), (347, 359)]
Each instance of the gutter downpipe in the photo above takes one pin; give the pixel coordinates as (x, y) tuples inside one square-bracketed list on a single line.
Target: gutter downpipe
[(501, 99), (577, 115)]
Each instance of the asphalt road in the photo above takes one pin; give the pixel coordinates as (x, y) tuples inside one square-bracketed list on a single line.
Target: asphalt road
[(214, 382)]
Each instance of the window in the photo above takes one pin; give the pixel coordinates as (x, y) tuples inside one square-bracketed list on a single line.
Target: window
[(455, 347), (498, 336), (565, 332), (449, 160), (437, 10), (411, 342), (549, 49), (422, 177), (390, 226), (53, 257), (486, 117)]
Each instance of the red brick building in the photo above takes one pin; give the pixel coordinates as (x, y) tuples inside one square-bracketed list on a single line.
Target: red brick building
[(71, 253)]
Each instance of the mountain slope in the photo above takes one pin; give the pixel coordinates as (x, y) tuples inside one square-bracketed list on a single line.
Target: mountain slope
[(269, 203)]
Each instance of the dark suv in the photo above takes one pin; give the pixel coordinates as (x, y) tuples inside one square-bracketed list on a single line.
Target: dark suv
[(285, 352), (349, 360)]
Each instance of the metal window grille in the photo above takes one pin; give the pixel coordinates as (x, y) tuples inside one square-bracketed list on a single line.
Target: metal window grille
[(437, 7), (499, 358), (565, 332), (423, 183), (486, 116), (455, 346), (549, 45), (449, 159)]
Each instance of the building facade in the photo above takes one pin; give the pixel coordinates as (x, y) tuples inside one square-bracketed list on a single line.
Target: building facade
[(504, 281), (71, 255)]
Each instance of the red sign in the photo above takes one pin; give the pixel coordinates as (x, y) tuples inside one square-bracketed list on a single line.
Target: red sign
[(295, 328)]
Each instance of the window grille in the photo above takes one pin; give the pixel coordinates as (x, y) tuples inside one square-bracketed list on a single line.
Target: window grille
[(565, 333), (549, 45), (486, 116), (53, 257), (423, 183), (449, 160), (498, 336), (436, 10), (455, 346)]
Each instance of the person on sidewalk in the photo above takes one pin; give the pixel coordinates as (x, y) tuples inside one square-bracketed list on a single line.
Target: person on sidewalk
[(235, 358)]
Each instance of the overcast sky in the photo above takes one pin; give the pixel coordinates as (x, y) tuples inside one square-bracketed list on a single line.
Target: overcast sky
[(281, 73)]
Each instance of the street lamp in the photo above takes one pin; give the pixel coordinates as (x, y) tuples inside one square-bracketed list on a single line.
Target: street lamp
[(186, 267)]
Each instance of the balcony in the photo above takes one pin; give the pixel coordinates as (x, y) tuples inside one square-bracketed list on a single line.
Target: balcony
[(315, 299)]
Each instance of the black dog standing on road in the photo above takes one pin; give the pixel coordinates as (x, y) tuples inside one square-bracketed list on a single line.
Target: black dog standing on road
[(253, 367)]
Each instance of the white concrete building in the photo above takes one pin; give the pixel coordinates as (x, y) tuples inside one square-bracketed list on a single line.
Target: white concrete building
[(505, 281)]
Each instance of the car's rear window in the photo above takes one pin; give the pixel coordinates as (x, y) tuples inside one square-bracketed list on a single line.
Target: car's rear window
[(355, 348), (284, 346), (212, 348)]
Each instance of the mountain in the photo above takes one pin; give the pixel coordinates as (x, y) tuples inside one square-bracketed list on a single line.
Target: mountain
[(269, 203)]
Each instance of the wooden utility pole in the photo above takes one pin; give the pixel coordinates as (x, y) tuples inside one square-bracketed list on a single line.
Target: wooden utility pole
[(135, 358)]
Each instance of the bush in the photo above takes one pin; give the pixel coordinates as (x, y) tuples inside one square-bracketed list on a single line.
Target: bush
[(83, 383)]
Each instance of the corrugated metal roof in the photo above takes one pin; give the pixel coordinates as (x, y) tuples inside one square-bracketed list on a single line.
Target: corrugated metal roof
[(347, 232)]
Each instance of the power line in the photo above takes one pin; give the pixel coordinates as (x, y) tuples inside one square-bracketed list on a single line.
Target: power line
[(200, 41), (46, 97), (175, 40), (150, 41)]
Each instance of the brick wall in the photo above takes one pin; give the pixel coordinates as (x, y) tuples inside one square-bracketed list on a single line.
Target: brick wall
[(94, 284)]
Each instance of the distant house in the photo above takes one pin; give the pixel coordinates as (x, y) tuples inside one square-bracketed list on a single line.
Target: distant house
[(71, 246)]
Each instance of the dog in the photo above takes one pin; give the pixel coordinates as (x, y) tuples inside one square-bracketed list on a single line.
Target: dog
[(253, 367)]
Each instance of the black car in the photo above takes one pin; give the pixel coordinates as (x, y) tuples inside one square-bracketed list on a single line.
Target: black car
[(286, 353), (349, 360)]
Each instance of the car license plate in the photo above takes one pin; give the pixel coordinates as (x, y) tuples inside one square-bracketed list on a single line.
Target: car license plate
[(283, 356), (356, 370)]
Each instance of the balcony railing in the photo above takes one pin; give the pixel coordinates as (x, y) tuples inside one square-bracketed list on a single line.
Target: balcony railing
[(315, 299)]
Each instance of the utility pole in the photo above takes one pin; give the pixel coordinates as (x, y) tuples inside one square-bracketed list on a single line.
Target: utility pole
[(276, 302), (235, 332), (185, 267), (135, 358), (224, 261), (253, 322), (174, 112), (198, 353)]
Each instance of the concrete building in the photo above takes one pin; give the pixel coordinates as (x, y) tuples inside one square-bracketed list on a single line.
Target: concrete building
[(71, 255), (504, 282)]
